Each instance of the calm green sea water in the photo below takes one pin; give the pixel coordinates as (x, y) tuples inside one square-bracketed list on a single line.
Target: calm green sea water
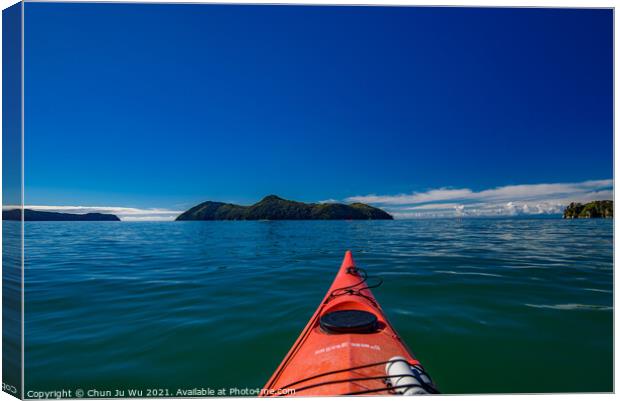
[(508, 305)]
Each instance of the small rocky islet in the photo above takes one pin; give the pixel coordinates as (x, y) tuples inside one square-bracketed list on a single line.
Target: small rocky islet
[(273, 207), (590, 210)]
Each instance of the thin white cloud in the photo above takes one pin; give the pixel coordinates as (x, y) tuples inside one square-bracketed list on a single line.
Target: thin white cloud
[(508, 193), (530, 199), (441, 194), (123, 213), (433, 206)]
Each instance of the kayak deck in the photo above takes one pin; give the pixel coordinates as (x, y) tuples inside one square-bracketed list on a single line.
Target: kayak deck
[(342, 353)]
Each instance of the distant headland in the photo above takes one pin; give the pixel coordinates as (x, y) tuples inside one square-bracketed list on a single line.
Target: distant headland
[(273, 207), (595, 209), (36, 215)]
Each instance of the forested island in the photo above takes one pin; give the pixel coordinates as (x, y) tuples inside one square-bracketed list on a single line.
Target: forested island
[(37, 215), (590, 210), (273, 207)]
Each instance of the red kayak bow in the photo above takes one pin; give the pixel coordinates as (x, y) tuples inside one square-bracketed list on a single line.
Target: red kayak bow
[(349, 348)]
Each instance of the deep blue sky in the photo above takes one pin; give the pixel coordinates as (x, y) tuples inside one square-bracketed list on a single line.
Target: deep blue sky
[(169, 105)]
